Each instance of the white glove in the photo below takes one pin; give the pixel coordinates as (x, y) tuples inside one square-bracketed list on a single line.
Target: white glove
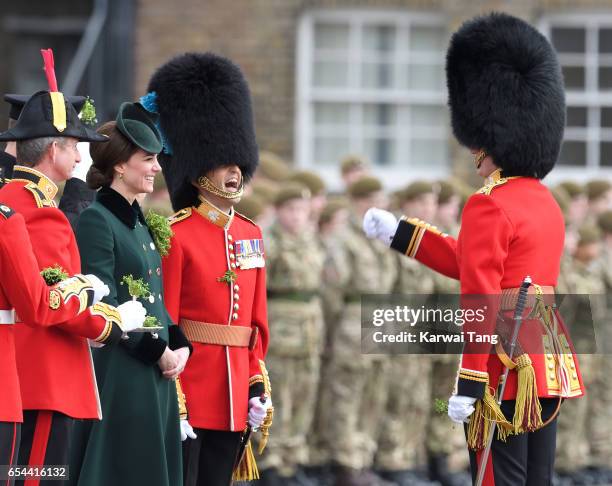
[(132, 315), (460, 408), (187, 431), (258, 411), (100, 289), (380, 224), (81, 169)]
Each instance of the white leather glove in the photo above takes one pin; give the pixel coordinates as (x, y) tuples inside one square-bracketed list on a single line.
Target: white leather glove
[(380, 224), (187, 431), (100, 289), (460, 408), (132, 315), (258, 411), (81, 169)]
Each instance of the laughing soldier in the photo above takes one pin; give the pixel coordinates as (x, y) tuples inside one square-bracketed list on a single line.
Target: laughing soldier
[(214, 276), (507, 105)]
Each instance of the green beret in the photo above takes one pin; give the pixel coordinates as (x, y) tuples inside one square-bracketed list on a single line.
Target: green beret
[(562, 198), (272, 167), (572, 188), (416, 189), (331, 208), (604, 221), (289, 192), (364, 187), (446, 191), (597, 188), (588, 234), (251, 206), (311, 180), (265, 190), (351, 162), (138, 126)]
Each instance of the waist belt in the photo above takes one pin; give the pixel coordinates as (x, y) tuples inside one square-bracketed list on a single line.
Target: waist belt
[(304, 296), (223, 335), (7, 317), (509, 297)]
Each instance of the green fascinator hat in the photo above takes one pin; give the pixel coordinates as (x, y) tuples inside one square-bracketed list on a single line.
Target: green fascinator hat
[(138, 126)]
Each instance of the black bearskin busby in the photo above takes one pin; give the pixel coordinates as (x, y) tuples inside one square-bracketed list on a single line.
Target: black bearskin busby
[(206, 120), (506, 93)]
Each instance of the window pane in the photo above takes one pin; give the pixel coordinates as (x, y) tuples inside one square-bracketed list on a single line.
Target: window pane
[(606, 116), (605, 41), (573, 153), (427, 39), (577, 116), (429, 153), (377, 75), (605, 78), (379, 38), (330, 74), (331, 113), (428, 116), (381, 151), (380, 115), (573, 76), (423, 76), (566, 39), (605, 154), (331, 36), (329, 150)]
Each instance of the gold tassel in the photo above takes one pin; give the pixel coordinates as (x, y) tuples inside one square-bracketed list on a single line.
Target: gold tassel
[(265, 430), (528, 411), (486, 411), (247, 469)]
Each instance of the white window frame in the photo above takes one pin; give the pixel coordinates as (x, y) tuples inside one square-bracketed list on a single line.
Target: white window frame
[(590, 97), (307, 94)]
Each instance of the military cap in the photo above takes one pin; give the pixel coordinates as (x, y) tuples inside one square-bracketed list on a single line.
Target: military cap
[(364, 187), (604, 221), (416, 189), (572, 188), (351, 162), (562, 198), (597, 188), (291, 191), (18, 101), (251, 206), (331, 208), (446, 190), (264, 189), (138, 126), (588, 234), (311, 180), (271, 166)]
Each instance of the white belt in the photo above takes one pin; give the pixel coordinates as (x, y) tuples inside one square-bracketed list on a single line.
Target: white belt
[(7, 317)]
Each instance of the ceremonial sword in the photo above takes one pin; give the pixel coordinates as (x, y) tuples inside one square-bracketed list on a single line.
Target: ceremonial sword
[(518, 320)]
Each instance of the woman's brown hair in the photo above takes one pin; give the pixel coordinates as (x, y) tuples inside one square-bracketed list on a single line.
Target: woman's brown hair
[(106, 155)]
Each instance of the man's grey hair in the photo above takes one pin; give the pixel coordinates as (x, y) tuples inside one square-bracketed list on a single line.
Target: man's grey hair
[(31, 151)]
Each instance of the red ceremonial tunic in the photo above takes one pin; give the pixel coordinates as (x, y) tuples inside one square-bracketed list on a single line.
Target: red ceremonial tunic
[(206, 245), (23, 290), (510, 229), (54, 362)]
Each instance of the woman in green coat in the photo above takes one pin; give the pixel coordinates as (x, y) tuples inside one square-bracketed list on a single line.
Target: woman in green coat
[(138, 440)]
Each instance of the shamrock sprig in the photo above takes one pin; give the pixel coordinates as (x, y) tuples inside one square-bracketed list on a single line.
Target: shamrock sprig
[(54, 274), (136, 287), (88, 112), (161, 231), (228, 277)]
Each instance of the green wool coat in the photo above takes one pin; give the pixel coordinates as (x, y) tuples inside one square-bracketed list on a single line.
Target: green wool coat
[(138, 440)]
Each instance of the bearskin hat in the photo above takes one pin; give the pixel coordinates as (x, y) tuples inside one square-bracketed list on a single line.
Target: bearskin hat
[(206, 120), (506, 93)]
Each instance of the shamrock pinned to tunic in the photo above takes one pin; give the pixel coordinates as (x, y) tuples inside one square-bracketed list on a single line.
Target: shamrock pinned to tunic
[(228, 277)]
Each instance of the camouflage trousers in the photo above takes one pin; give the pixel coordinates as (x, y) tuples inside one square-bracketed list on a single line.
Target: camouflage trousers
[(352, 398), (293, 363)]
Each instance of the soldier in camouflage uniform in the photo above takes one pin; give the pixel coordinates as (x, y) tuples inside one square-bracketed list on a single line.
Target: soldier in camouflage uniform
[(599, 194), (353, 168), (355, 393), (581, 277), (318, 193), (294, 261), (408, 381)]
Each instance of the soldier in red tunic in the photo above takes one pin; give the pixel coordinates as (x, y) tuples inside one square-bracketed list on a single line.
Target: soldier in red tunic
[(54, 363), (507, 104), (214, 276), (23, 292)]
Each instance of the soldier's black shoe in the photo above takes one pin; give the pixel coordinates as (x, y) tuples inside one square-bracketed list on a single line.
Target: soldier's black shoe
[(437, 467)]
